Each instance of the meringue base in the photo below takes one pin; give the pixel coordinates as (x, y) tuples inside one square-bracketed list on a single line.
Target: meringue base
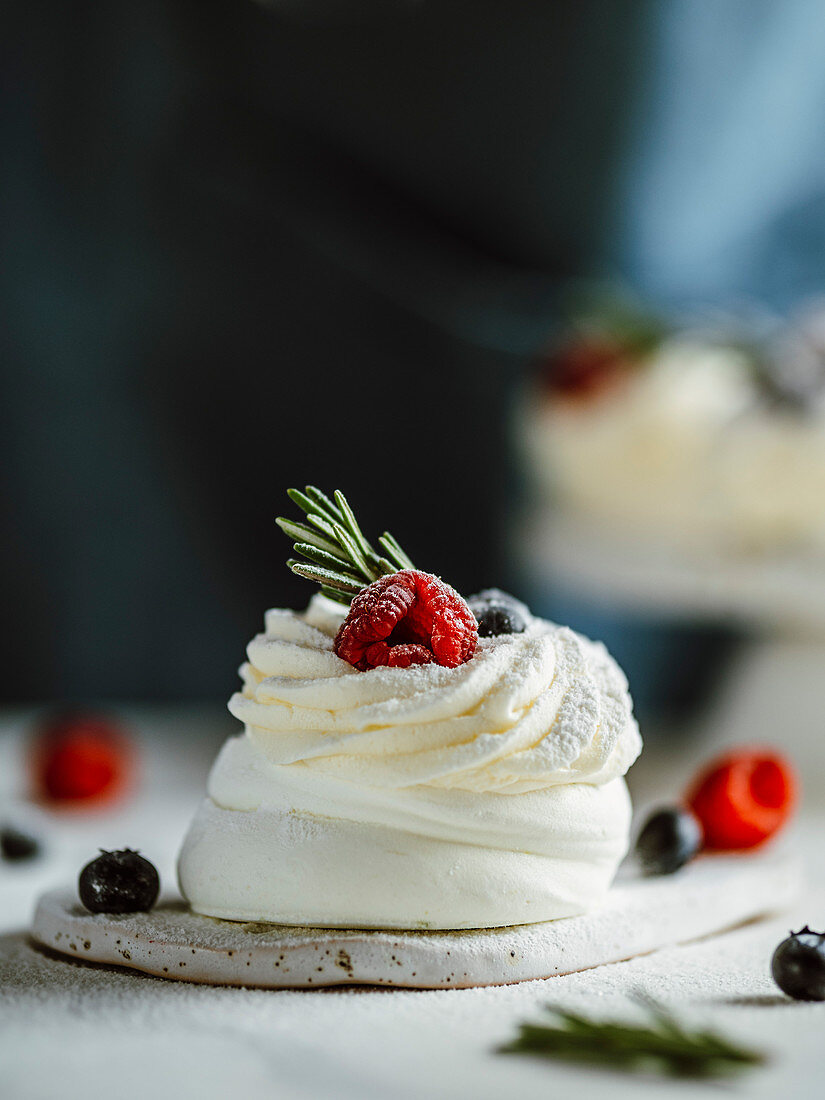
[(298, 868)]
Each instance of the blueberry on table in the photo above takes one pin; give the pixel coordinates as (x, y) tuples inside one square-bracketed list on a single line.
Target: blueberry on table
[(498, 613), (798, 965), (119, 882), (16, 846), (669, 839)]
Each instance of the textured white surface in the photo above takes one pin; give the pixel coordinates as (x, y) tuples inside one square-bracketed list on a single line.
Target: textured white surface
[(639, 916), (73, 1030)]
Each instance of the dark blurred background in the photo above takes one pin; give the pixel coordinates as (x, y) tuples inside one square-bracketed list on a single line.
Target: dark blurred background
[(247, 247)]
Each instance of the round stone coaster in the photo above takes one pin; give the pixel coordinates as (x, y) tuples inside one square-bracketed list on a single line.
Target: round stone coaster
[(641, 914)]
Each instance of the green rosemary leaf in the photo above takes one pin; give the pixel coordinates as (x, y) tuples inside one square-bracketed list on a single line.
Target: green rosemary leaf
[(324, 505), (394, 551), (662, 1046), (323, 525), (353, 553), (351, 523), (338, 556), (335, 562), (302, 500), (330, 578), (301, 532), (334, 594), (373, 560)]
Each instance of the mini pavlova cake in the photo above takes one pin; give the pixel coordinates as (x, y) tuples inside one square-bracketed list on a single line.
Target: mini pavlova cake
[(411, 759)]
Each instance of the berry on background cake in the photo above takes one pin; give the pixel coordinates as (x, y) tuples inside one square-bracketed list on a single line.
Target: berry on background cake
[(411, 759)]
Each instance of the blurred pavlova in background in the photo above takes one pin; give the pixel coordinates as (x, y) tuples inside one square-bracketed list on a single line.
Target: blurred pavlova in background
[(710, 438)]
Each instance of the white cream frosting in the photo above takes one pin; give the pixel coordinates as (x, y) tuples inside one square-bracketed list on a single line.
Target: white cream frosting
[(483, 795)]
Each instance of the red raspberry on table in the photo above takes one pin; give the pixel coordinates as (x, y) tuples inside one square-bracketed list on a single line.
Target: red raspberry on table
[(407, 618), (743, 798), (80, 758)]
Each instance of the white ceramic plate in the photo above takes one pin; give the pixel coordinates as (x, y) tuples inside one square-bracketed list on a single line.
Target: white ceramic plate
[(712, 894)]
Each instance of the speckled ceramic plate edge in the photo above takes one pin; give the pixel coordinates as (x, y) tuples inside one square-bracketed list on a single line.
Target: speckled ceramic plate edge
[(640, 916)]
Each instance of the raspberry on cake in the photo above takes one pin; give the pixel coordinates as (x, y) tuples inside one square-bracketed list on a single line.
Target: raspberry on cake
[(407, 618)]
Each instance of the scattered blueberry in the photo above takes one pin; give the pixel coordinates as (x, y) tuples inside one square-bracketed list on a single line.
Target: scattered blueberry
[(16, 846), (119, 882), (669, 838), (498, 612), (798, 965), (791, 366)]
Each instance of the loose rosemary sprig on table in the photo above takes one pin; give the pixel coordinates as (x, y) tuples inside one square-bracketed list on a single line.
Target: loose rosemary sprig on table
[(336, 554), (662, 1047)]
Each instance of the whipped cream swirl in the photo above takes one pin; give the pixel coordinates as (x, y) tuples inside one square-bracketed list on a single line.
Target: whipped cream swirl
[(529, 711)]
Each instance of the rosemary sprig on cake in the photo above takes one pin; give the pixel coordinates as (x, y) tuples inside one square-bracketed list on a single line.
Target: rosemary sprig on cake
[(335, 553), (398, 616), (663, 1046)]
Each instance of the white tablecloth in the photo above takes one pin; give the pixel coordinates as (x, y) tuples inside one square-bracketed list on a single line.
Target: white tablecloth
[(69, 1029)]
